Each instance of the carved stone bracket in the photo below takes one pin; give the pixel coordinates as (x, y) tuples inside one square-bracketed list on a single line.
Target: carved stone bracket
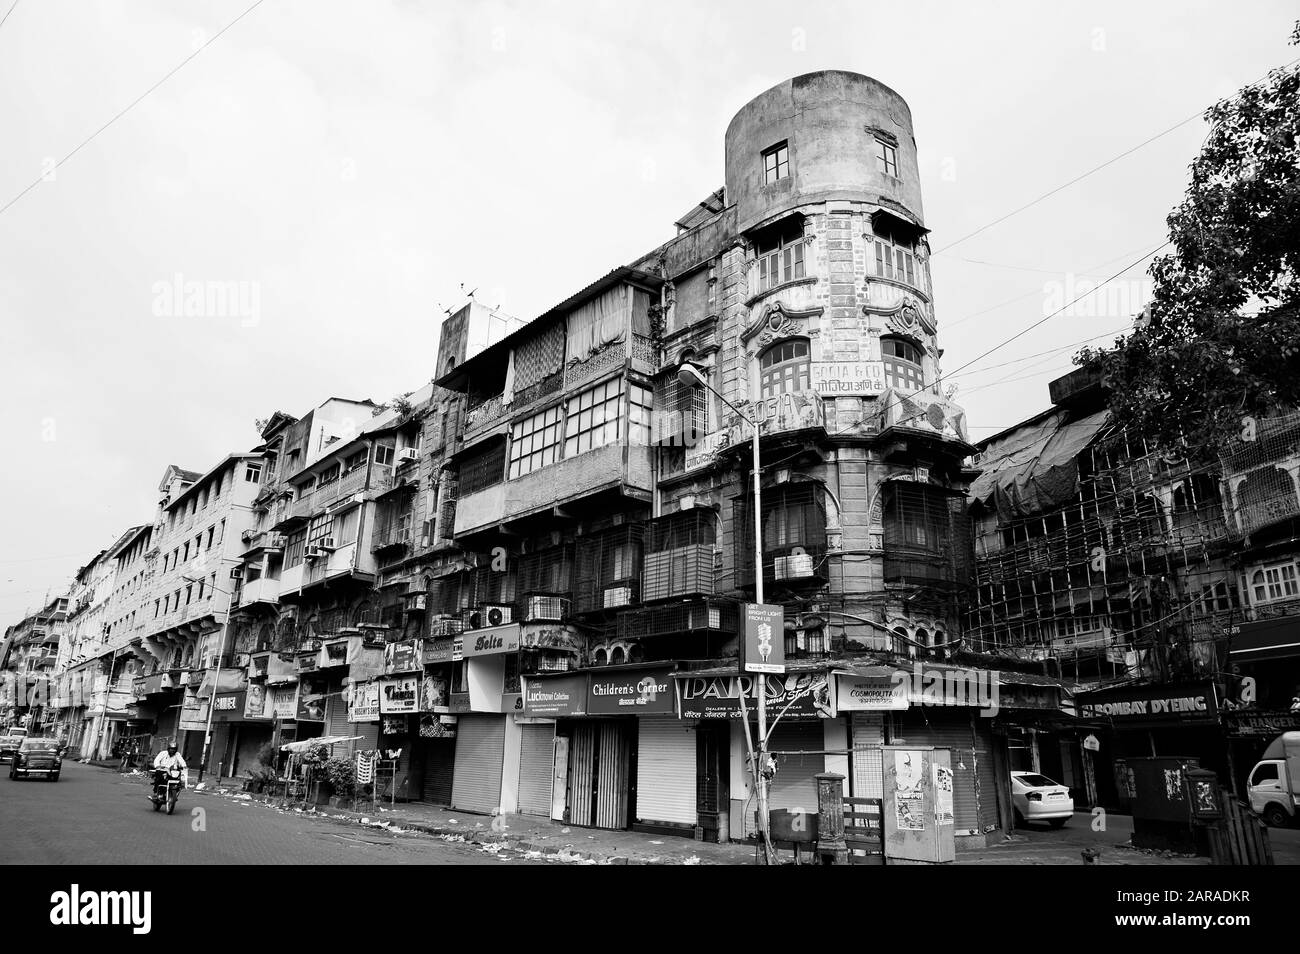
[(777, 321)]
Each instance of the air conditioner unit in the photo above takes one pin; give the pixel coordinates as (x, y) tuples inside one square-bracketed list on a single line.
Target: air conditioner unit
[(446, 626), (496, 615), (546, 608), (247, 535), (236, 572), (618, 595), (216, 661), (796, 566), (326, 544), (315, 552), (407, 455), (417, 602), (706, 617), (242, 660)]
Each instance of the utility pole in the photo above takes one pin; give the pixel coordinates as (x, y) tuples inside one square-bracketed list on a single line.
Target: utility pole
[(689, 376)]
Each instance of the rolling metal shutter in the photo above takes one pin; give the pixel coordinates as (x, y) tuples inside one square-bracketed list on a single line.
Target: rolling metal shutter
[(536, 768), (439, 757), (480, 753), (599, 774), (336, 715), (795, 784), (665, 771), (868, 768), (951, 730)]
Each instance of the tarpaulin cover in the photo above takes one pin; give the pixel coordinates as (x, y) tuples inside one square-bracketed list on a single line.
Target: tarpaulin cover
[(1035, 467)]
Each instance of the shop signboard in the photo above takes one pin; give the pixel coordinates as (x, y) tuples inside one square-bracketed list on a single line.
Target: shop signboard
[(631, 692), (284, 701), (555, 696), (848, 378), (854, 693), (1190, 703), (228, 707), (794, 696), (399, 695), (363, 702), (439, 651), (405, 656), (491, 641)]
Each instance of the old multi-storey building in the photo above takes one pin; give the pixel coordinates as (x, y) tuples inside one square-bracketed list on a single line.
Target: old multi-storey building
[(28, 660), (1162, 588)]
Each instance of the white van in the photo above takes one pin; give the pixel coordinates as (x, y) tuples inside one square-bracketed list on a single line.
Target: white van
[(1274, 782)]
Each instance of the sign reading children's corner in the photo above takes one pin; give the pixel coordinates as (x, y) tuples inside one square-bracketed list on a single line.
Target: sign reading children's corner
[(762, 639)]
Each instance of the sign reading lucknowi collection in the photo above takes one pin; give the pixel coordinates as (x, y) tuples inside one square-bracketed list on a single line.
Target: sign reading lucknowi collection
[(555, 696)]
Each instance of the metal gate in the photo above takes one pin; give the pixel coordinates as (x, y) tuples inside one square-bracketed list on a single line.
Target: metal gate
[(666, 771), (600, 774), (439, 769), (536, 765), (868, 770), (480, 754)]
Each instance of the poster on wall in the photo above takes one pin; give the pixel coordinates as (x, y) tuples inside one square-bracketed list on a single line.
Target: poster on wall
[(311, 704), (434, 693), (363, 702), (432, 727), (909, 791), (255, 702), (942, 794), (284, 701), (399, 695)]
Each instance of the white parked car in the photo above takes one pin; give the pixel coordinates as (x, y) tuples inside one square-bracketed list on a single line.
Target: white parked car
[(1037, 798)]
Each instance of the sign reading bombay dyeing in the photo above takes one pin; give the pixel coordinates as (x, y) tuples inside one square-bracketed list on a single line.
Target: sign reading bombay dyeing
[(762, 638)]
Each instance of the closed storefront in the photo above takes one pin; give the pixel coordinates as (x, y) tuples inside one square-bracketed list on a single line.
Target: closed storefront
[(480, 751), (798, 750), (536, 768), (600, 773), (972, 760), (666, 772), (437, 769)]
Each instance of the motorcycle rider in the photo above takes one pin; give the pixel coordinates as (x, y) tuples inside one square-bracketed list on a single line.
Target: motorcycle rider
[(166, 760)]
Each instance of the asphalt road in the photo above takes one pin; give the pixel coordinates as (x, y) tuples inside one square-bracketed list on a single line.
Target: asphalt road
[(94, 816)]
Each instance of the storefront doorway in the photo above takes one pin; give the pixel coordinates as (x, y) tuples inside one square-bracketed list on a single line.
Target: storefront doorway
[(601, 780)]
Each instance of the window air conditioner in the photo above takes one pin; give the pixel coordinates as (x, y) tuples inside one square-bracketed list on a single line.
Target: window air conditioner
[(619, 595), (545, 608), (236, 572), (796, 566), (326, 544), (407, 455)]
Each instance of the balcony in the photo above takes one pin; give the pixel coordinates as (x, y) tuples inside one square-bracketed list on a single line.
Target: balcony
[(391, 541), (485, 412), (565, 481), (262, 590)]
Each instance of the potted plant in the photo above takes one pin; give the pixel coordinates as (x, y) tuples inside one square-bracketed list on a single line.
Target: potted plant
[(341, 776)]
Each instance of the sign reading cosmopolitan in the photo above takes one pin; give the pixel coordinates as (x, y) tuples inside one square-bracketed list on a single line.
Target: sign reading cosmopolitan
[(762, 639)]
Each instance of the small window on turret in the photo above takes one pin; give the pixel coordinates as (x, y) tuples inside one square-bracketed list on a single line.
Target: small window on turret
[(776, 163), (887, 158)]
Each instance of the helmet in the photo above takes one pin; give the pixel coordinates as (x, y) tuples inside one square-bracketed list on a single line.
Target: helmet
[(171, 747)]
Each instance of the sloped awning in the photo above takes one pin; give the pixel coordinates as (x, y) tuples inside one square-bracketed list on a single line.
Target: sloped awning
[(1267, 639), (1035, 467)]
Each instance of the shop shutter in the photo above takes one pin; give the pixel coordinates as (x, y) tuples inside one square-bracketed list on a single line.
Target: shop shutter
[(480, 750), (868, 769), (950, 730), (336, 715), (369, 732), (795, 784), (439, 758), (665, 771), (536, 769), (986, 779)]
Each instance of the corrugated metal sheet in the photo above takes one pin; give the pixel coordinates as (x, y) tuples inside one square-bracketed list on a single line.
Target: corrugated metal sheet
[(480, 755), (536, 763), (665, 771), (795, 785), (868, 768), (599, 774), (439, 757), (953, 731)]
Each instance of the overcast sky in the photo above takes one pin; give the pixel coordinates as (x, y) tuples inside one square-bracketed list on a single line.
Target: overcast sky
[(354, 163)]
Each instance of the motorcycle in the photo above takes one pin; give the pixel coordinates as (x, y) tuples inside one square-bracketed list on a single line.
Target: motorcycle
[(167, 785)]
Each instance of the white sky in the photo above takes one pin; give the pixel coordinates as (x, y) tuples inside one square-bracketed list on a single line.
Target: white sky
[(356, 162)]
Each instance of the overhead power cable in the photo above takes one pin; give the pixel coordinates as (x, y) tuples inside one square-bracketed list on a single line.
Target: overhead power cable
[(135, 102)]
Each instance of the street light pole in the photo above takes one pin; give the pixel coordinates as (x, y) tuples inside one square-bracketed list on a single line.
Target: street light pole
[(216, 682), (688, 375)]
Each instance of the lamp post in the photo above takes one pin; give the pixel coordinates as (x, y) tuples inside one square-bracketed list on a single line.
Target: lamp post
[(689, 376), (216, 682)]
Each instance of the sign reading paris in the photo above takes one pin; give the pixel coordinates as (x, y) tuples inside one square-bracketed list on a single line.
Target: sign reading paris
[(762, 641)]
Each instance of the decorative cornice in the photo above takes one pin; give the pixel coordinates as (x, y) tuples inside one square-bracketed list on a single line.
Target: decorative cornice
[(777, 321)]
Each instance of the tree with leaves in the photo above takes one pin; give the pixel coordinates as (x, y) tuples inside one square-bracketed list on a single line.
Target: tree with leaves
[(1220, 339)]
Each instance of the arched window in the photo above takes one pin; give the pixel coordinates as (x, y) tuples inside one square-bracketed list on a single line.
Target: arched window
[(902, 360), (784, 367)]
